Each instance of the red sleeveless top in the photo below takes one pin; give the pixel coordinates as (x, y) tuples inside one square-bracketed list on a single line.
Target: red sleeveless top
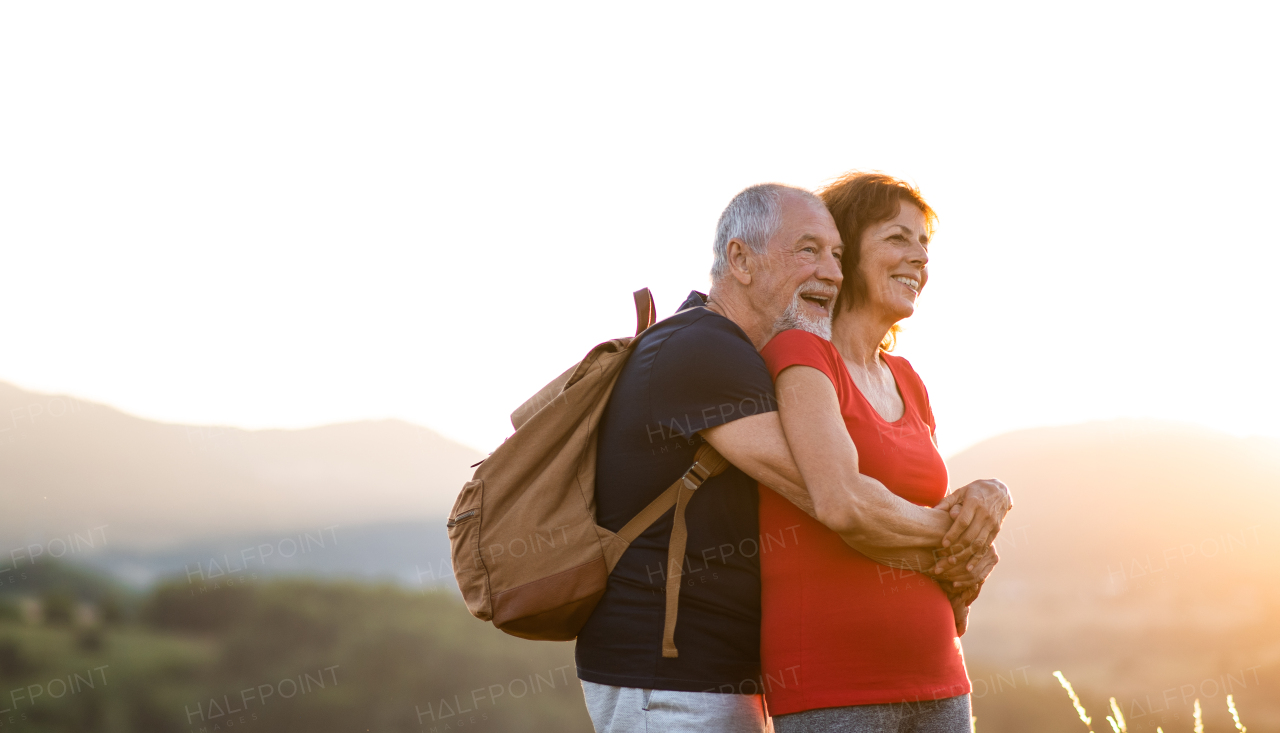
[(838, 628)]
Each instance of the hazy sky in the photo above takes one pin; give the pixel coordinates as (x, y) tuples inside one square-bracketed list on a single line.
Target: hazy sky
[(267, 214)]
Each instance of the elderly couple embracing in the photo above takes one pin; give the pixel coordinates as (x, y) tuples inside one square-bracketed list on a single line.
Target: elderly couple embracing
[(827, 573)]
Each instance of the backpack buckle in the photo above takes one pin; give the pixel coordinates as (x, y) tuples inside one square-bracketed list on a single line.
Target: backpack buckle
[(696, 475)]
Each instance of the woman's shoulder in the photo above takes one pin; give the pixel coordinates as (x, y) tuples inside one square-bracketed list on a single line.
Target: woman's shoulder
[(899, 362), (795, 347), (909, 380), (795, 342), (795, 338), (902, 367)]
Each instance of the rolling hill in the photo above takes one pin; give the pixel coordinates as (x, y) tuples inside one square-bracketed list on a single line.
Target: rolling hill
[(68, 466), (1138, 558)]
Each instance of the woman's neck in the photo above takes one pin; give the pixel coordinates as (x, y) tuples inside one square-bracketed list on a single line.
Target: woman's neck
[(857, 335)]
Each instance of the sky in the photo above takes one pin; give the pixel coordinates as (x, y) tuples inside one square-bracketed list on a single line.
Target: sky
[(268, 214)]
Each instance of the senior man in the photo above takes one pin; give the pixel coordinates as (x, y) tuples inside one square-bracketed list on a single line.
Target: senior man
[(697, 376)]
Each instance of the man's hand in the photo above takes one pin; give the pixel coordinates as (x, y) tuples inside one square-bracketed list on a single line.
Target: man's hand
[(954, 559), (961, 577), (976, 510), (960, 606), (960, 610)]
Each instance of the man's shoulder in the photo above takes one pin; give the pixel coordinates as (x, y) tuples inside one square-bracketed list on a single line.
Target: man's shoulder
[(700, 344), (697, 328), (694, 359)]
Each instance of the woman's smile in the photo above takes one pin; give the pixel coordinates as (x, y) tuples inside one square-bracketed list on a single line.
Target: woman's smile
[(912, 284)]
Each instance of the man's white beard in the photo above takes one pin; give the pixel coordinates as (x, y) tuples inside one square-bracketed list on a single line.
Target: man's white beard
[(797, 316)]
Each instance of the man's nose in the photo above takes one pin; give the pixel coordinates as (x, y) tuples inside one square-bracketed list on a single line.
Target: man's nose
[(829, 269)]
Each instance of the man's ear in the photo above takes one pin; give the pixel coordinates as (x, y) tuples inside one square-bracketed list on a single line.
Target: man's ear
[(741, 260)]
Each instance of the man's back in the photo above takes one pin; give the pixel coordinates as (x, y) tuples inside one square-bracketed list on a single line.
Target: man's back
[(690, 372)]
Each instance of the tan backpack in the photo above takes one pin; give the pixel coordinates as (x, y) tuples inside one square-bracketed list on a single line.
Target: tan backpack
[(527, 552)]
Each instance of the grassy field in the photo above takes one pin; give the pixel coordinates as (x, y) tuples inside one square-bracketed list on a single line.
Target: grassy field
[(285, 656), (296, 655)]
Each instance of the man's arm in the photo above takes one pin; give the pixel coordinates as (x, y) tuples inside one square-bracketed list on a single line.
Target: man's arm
[(870, 517), (757, 446)]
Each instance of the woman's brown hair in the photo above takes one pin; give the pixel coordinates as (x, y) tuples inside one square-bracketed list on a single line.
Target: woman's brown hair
[(857, 200)]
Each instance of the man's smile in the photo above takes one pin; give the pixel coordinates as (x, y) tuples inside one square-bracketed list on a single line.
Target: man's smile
[(822, 301)]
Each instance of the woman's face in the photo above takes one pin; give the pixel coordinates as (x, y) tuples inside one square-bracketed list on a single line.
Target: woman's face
[(894, 263)]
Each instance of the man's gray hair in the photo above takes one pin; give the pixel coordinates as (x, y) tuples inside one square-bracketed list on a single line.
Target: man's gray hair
[(753, 216)]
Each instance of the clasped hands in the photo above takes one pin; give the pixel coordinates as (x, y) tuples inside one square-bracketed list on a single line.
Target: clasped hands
[(967, 555)]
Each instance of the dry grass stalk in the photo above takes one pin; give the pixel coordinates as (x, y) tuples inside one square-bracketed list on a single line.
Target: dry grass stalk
[(1075, 701), (1119, 719), (1231, 705)]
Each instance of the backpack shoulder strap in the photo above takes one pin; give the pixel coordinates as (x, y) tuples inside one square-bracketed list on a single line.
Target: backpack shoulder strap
[(646, 314), (707, 462), (704, 464)]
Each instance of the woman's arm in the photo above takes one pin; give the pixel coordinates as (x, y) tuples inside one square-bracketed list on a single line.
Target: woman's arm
[(813, 442), (853, 504), (757, 446)]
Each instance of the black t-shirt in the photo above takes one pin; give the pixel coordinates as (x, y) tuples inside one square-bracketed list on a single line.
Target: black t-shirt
[(692, 371)]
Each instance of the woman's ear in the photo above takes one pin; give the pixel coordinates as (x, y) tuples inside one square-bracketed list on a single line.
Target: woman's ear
[(740, 260)]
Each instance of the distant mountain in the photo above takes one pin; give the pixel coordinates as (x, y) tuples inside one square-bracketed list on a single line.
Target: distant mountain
[(1091, 496), (71, 469), (1139, 557), (414, 555)]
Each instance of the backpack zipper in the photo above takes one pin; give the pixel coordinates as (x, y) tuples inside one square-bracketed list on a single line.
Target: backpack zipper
[(461, 518)]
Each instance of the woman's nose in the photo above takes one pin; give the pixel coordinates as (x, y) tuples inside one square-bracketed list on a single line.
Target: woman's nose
[(920, 256)]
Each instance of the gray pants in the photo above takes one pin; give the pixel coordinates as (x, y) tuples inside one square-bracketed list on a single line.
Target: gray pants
[(950, 715), (633, 710)]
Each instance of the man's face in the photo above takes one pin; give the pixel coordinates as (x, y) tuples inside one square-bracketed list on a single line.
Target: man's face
[(799, 275)]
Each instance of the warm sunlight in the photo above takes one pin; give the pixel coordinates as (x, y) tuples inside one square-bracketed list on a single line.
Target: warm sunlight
[(386, 215), (276, 274)]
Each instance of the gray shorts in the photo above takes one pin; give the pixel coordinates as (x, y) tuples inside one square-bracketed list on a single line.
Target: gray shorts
[(634, 710), (949, 715)]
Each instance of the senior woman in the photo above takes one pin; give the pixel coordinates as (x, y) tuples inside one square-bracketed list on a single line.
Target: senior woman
[(846, 643)]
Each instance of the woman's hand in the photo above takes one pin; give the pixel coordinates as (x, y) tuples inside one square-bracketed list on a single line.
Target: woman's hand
[(977, 511)]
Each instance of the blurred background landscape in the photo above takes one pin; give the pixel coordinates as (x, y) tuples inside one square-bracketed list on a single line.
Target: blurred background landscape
[(276, 272), (178, 567)]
